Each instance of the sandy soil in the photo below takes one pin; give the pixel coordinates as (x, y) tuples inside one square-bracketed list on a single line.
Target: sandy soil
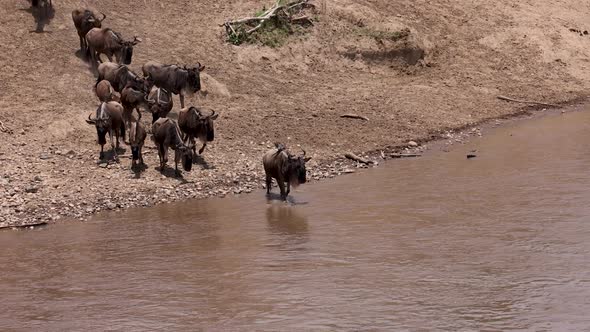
[(473, 51)]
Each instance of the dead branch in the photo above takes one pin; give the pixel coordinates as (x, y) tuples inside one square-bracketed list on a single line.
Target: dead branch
[(25, 225), (302, 20), (405, 155), (526, 101), (354, 116), (245, 25), (354, 157), (5, 129)]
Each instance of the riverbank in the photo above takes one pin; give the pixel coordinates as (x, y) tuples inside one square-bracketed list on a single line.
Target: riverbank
[(295, 94), (94, 193)]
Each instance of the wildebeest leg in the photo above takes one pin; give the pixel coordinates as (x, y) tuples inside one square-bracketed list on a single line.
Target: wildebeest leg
[(81, 44), (161, 155), (101, 155), (113, 146), (281, 184), (203, 148), (181, 100), (268, 184), (141, 155), (288, 188)]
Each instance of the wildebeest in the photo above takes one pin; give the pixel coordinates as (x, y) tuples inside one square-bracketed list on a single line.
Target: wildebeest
[(105, 92), (35, 3), (84, 21), (179, 81), (108, 120), (121, 76), (166, 134), (108, 42), (132, 98), (194, 124), (284, 167), (159, 102), (137, 135)]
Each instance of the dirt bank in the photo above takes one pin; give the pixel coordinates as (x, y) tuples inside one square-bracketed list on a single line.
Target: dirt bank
[(458, 56)]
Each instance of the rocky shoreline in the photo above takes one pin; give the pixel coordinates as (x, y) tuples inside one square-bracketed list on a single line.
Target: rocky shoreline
[(52, 195), (31, 198)]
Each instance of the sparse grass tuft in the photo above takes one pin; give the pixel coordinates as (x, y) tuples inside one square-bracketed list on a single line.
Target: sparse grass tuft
[(274, 32), (384, 35)]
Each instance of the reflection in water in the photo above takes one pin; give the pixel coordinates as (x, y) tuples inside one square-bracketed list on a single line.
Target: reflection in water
[(284, 221), (498, 242)]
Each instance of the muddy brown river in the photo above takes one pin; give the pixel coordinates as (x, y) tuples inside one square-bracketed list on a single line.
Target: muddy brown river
[(498, 242)]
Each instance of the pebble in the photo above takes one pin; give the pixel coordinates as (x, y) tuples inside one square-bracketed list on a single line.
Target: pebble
[(31, 189), (412, 144)]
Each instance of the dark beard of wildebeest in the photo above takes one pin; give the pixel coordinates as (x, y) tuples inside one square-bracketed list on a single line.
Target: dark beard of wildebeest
[(84, 21), (121, 76), (159, 102), (194, 124), (108, 120), (175, 79), (165, 134), (284, 168), (108, 42)]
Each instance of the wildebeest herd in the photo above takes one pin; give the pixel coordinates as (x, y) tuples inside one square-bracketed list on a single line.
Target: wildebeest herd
[(120, 91)]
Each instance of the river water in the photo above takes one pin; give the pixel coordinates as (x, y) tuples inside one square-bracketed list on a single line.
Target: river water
[(442, 242)]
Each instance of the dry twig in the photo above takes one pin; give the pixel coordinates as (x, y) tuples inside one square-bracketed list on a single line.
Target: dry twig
[(354, 157), (527, 101), (354, 116), (236, 29), (5, 129), (405, 155)]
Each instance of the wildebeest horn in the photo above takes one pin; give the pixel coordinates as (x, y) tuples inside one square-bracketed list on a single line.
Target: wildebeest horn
[(303, 152), (200, 67), (103, 17), (90, 120)]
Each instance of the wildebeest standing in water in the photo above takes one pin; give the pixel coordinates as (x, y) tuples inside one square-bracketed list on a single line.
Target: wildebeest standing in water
[(108, 120), (137, 135), (110, 43), (166, 134), (194, 124), (159, 102), (284, 167), (84, 21), (105, 92), (179, 81)]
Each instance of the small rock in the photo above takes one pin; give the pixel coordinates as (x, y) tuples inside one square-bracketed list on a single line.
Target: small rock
[(103, 165), (38, 178), (111, 206), (31, 189), (469, 156), (44, 156), (412, 144)]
